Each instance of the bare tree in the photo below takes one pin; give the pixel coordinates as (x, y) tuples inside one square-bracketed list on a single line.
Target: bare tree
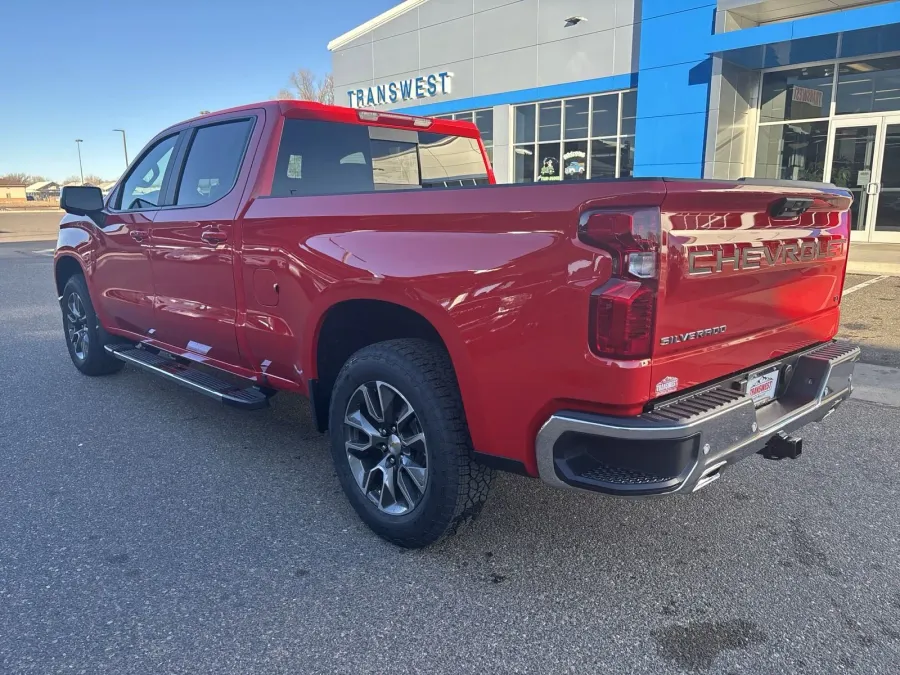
[(74, 179), (93, 179), (305, 86), (22, 177)]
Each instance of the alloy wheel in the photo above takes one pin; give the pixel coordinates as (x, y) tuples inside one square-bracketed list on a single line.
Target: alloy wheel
[(76, 326), (386, 448)]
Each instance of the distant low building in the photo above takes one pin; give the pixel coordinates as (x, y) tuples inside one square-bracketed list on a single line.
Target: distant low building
[(107, 187), (12, 190), (45, 191)]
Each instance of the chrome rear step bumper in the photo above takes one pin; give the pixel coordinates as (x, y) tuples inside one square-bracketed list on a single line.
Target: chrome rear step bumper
[(683, 444)]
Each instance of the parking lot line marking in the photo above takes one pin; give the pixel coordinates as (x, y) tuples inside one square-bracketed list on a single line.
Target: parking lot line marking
[(45, 251), (853, 289)]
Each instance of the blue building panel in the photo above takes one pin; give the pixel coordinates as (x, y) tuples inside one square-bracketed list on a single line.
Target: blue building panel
[(654, 8), (676, 38), (672, 111), (694, 170), (674, 139), (677, 90)]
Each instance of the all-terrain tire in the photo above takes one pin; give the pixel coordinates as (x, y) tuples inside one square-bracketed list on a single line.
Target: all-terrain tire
[(87, 353), (457, 486)]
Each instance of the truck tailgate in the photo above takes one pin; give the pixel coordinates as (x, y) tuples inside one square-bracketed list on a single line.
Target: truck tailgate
[(749, 272)]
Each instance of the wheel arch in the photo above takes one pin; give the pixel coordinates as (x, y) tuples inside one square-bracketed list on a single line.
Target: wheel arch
[(65, 267), (349, 324)]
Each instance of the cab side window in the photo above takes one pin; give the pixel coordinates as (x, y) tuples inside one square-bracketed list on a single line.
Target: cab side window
[(323, 158), (213, 162), (143, 187)]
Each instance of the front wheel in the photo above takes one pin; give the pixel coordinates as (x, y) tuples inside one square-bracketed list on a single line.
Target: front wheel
[(400, 443), (85, 338)]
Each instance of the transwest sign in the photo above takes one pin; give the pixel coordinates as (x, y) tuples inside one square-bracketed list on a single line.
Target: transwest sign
[(398, 91)]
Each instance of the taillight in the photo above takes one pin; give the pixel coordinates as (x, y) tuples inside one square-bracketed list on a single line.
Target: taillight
[(622, 310)]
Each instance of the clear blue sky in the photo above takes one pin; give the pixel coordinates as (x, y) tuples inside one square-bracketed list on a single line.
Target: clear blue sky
[(80, 68)]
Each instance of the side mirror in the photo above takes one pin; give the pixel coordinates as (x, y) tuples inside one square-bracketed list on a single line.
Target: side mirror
[(81, 200)]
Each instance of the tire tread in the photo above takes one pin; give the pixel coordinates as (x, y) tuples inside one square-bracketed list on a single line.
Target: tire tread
[(431, 363)]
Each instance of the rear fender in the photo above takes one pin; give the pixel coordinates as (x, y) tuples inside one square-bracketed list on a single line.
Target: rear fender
[(407, 298)]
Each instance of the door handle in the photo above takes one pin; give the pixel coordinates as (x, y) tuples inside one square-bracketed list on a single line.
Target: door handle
[(213, 237), (872, 188), (138, 235)]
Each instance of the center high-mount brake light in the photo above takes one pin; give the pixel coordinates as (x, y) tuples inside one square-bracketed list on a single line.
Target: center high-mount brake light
[(623, 309), (394, 118)]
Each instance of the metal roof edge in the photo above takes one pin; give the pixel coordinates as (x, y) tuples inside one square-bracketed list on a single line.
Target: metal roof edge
[(372, 24)]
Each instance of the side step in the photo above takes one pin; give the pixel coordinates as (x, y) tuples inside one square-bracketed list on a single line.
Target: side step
[(248, 398)]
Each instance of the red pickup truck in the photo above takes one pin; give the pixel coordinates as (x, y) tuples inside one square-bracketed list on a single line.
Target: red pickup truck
[(627, 337)]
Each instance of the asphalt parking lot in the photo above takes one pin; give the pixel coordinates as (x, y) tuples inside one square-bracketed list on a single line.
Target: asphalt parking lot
[(870, 317), (145, 529)]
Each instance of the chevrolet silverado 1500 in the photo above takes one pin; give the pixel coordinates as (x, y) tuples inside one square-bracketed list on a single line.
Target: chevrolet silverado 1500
[(627, 337)]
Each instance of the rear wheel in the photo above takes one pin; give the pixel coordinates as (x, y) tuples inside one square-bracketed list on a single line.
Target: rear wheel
[(85, 338), (400, 443)]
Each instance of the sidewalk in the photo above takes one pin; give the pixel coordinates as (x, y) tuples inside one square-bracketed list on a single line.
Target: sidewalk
[(876, 259)]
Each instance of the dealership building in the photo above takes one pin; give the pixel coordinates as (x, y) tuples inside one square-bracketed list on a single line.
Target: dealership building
[(577, 89)]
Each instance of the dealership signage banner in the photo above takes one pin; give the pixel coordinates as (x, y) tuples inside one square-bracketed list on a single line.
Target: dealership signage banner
[(807, 95), (399, 91)]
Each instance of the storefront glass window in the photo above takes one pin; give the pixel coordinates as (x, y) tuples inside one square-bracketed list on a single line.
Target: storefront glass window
[(579, 138), (524, 123), (869, 86), (550, 121), (792, 151), (577, 118), (626, 156), (574, 164), (603, 158), (796, 94), (484, 120), (549, 167), (523, 161), (888, 215), (629, 113), (605, 120)]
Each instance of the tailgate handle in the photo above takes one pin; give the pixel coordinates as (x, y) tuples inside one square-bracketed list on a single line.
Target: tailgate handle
[(790, 207)]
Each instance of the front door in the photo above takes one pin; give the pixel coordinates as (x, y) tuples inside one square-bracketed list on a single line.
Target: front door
[(886, 226), (122, 278), (193, 245), (865, 158)]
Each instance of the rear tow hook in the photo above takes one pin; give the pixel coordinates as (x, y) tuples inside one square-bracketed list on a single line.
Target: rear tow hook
[(782, 446)]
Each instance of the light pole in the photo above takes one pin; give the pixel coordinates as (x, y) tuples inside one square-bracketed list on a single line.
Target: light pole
[(124, 145), (78, 143)]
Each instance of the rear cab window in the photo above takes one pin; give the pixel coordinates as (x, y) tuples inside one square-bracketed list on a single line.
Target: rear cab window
[(319, 157)]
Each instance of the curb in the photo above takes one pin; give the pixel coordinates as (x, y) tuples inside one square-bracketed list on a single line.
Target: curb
[(874, 268)]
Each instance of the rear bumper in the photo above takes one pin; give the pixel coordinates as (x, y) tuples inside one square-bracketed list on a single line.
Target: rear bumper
[(684, 443)]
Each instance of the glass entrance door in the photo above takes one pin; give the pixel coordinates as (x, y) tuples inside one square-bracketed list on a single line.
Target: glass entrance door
[(864, 157), (887, 210), (853, 156)]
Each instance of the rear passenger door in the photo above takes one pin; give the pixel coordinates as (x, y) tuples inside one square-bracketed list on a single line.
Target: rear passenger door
[(193, 240)]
